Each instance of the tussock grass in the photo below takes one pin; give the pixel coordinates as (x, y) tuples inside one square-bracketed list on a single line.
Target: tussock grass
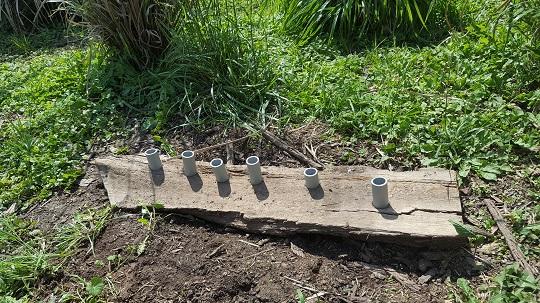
[(24, 15), (137, 29), (349, 22)]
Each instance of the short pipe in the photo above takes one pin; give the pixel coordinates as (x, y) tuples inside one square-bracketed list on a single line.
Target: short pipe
[(311, 176), (379, 190), (152, 155), (220, 171), (190, 167), (254, 169)]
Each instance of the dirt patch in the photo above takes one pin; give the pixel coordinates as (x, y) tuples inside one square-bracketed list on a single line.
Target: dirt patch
[(60, 208), (188, 260)]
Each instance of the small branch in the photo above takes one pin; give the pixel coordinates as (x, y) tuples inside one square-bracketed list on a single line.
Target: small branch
[(509, 237), (289, 149), (249, 243), (230, 153), (318, 293), (401, 278), (200, 150), (259, 253), (215, 251)]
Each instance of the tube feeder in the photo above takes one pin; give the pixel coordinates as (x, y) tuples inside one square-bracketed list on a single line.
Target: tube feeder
[(152, 156), (188, 159), (220, 171), (311, 176), (254, 169), (379, 190)]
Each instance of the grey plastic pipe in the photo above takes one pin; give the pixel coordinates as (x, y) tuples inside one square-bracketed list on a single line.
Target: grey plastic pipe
[(254, 169), (190, 167), (311, 176), (152, 155), (379, 189), (220, 171)]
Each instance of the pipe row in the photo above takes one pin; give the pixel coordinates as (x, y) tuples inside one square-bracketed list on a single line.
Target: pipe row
[(379, 185)]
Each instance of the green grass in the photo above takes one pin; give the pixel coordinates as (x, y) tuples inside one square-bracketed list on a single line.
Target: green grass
[(351, 24), (49, 123), (470, 102)]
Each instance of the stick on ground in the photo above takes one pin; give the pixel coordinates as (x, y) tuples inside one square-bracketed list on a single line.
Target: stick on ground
[(289, 149), (200, 150), (509, 237)]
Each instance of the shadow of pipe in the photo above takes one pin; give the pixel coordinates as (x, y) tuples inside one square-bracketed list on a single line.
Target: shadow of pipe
[(158, 176), (224, 189), (388, 213), (316, 193), (261, 191), (195, 182)]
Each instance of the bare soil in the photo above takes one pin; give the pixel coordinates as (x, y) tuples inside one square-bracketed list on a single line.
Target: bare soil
[(184, 259)]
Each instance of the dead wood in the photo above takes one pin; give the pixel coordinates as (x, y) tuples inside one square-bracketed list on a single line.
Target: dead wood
[(508, 236)]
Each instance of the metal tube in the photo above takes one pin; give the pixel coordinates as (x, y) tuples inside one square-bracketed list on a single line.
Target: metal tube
[(152, 155), (220, 171), (254, 169), (190, 167), (311, 176), (379, 190)]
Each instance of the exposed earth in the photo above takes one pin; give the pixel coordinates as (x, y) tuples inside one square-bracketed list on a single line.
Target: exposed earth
[(184, 259)]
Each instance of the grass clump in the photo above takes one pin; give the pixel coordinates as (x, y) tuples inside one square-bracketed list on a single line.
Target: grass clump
[(215, 70), (25, 15), (138, 29), (23, 258), (349, 22)]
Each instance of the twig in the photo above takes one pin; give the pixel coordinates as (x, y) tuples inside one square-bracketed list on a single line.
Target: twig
[(478, 258), (401, 278), (230, 153), (315, 296), (508, 236), (319, 293), (215, 251), (249, 243), (304, 286), (290, 150), (259, 253), (200, 150)]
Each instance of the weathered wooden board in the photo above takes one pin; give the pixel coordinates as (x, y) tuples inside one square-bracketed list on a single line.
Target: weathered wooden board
[(422, 202)]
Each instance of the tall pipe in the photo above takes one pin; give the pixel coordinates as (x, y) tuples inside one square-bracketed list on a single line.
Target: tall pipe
[(190, 167), (311, 176), (220, 171), (152, 155), (379, 190), (254, 169)]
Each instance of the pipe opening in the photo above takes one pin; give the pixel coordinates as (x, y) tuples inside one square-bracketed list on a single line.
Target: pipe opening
[(379, 181), (252, 160), (216, 162), (151, 151), (310, 172), (187, 154)]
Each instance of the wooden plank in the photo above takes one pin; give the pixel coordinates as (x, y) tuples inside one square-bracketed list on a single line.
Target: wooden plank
[(422, 202)]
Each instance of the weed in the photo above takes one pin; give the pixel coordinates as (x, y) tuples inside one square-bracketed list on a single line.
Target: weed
[(348, 22), (48, 124), (510, 285), (438, 106), (85, 227), (23, 257)]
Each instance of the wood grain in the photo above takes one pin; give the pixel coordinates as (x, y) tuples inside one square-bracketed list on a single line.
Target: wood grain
[(422, 202)]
